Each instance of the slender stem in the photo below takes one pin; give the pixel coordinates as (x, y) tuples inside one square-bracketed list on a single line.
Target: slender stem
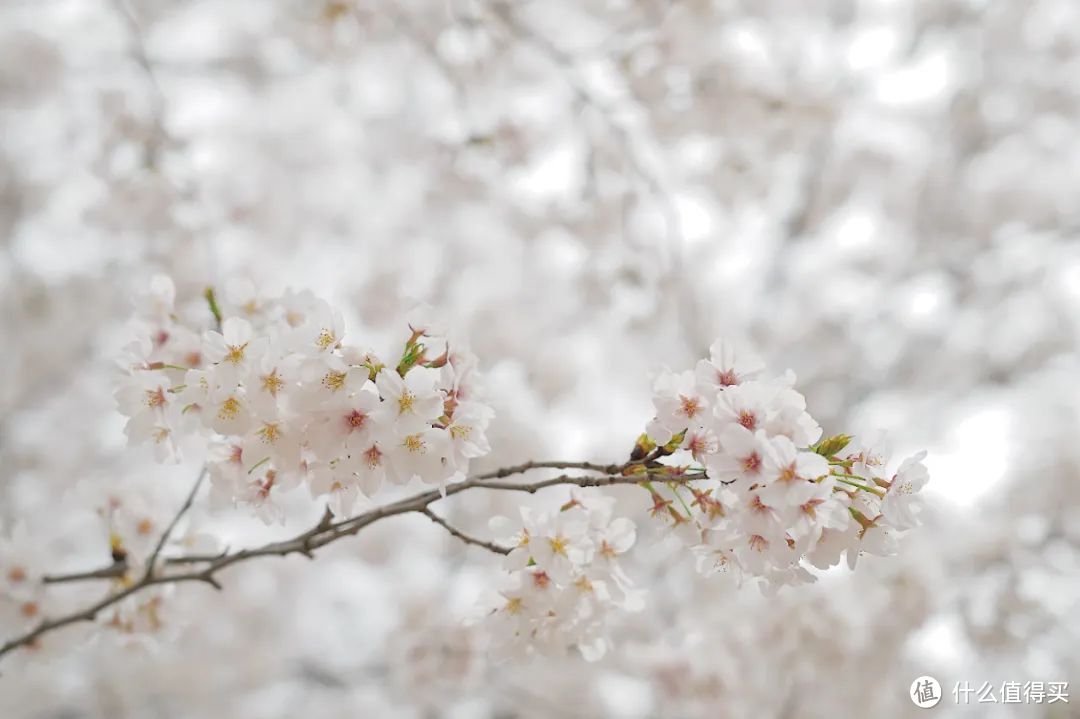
[(490, 546), (522, 468), (864, 488), (175, 520), (113, 571), (675, 490)]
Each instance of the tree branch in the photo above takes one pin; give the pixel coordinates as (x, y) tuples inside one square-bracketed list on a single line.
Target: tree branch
[(175, 520), (523, 468), (113, 571), (328, 531), (490, 546)]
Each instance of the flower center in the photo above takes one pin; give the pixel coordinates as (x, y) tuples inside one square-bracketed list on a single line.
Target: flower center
[(272, 383), (690, 405), (727, 378), (334, 381), (230, 409), (413, 443), (405, 402), (373, 457), (235, 353), (757, 506), (269, 432), (583, 584), (751, 463), (155, 397), (355, 419), (325, 340)]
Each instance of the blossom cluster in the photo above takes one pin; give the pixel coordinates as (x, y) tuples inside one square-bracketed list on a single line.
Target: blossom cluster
[(774, 498), (284, 401), (564, 577), (274, 398)]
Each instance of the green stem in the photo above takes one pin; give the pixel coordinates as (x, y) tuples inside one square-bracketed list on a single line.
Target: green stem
[(258, 464), (862, 487), (675, 490), (211, 300)]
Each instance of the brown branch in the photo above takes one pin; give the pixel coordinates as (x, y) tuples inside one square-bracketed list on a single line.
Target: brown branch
[(527, 466), (328, 531), (113, 571), (175, 520), (490, 546)]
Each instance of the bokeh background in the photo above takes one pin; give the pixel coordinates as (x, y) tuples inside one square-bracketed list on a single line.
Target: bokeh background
[(881, 195)]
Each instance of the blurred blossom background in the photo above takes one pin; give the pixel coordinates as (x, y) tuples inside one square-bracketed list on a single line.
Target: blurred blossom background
[(879, 194)]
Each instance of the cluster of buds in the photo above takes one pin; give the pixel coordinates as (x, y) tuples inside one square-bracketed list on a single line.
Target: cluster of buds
[(283, 401), (773, 498)]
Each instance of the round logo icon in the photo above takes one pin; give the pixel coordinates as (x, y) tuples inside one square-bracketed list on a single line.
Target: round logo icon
[(925, 692)]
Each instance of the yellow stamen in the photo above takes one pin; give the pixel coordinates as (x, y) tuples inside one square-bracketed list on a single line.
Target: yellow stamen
[(325, 340), (235, 354), (334, 381), (272, 383), (230, 409), (269, 432)]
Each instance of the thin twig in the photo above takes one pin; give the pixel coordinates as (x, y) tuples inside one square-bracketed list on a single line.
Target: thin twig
[(527, 466), (113, 571), (567, 65), (160, 137), (490, 546), (326, 532), (175, 520)]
